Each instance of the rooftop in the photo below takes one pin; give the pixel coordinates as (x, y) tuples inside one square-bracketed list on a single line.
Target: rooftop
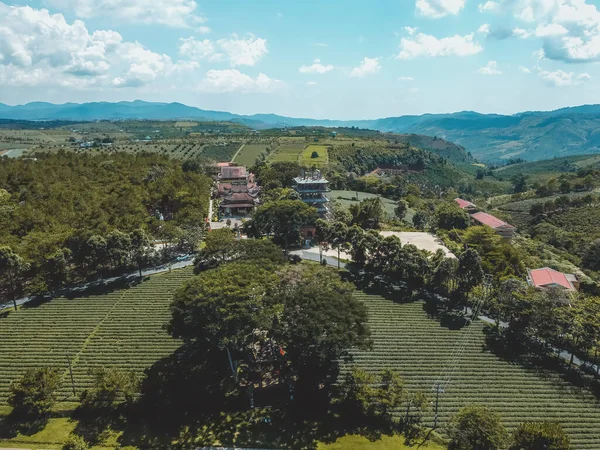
[(310, 180), (464, 203), (229, 172), (490, 221), (549, 277)]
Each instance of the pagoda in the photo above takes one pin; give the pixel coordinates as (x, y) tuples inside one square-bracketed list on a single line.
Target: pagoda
[(312, 187)]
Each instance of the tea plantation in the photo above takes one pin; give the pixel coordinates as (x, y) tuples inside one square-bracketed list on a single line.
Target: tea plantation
[(420, 349), (123, 328)]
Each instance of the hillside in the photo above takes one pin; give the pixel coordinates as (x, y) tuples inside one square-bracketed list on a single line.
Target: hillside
[(491, 137)]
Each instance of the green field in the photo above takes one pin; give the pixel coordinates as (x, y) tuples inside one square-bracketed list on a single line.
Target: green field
[(288, 152), (122, 328), (247, 156), (420, 348), (322, 160)]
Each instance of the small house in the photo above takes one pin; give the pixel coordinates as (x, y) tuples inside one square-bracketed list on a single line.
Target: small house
[(546, 277), (505, 230), (466, 205)]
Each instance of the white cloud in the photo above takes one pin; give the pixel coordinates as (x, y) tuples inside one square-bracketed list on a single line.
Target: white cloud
[(43, 49), (570, 29), (427, 45), (411, 30), (232, 80), (316, 67), (553, 29), (524, 69), (198, 50), (173, 13), (560, 78), (238, 51), (484, 29), (406, 79), (414, 90), (244, 52), (203, 29), (491, 68), (320, 44), (367, 66), (489, 7), (439, 8), (311, 83), (521, 33)]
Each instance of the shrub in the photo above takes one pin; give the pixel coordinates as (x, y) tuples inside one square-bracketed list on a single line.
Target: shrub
[(75, 442), (35, 393)]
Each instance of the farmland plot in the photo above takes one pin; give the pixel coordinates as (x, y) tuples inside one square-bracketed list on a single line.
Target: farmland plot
[(122, 329), (321, 160), (288, 152), (419, 348), (249, 153)]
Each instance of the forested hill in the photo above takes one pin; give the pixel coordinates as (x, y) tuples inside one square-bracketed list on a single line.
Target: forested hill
[(491, 137)]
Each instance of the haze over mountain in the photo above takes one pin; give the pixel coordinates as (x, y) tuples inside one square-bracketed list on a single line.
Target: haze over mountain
[(531, 135)]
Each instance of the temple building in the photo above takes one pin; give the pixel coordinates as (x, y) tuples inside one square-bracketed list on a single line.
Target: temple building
[(312, 189), (236, 191)]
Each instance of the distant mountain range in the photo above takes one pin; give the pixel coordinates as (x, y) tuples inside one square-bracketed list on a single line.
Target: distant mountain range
[(530, 135)]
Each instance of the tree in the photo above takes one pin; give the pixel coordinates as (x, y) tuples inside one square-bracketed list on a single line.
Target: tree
[(520, 183), (338, 238), (591, 258), (226, 308), (420, 220), (357, 394), (321, 321), (470, 272), (35, 393), (284, 218), (540, 436), (451, 216), (314, 155), (75, 442), (476, 428), (12, 268), (401, 208), (109, 385), (536, 209), (368, 214), (390, 394), (140, 246)]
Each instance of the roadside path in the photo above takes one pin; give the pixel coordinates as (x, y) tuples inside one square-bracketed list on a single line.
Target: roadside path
[(185, 261), (236, 153)]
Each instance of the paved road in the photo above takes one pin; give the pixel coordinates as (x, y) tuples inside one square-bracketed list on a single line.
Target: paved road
[(312, 254), (184, 262)]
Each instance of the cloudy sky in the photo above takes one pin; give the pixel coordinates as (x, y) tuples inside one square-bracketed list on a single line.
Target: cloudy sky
[(344, 59)]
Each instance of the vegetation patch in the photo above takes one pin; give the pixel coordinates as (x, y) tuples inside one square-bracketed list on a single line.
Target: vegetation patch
[(315, 155)]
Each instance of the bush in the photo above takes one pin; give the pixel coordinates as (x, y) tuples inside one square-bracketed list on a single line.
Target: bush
[(75, 443), (35, 393), (314, 155), (540, 436)]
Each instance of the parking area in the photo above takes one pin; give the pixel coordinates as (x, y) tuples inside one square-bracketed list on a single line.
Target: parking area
[(422, 240)]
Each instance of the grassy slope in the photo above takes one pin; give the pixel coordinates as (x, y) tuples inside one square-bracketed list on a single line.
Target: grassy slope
[(541, 170), (247, 157), (420, 348), (385, 443)]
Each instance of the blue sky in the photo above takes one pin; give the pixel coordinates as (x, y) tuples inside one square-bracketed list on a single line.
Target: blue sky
[(340, 59)]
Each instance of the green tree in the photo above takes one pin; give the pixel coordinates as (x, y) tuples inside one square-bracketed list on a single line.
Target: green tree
[(536, 209), (35, 393), (226, 308), (12, 268), (284, 218), (357, 394), (140, 247), (109, 386), (369, 213), (401, 209), (320, 322), (420, 220), (520, 183), (470, 272), (451, 216), (591, 257), (540, 436), (390, 394), (476, 428)]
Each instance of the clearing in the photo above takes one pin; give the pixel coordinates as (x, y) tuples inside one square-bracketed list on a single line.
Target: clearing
[(421, 240), (348, 198), (322, 159)]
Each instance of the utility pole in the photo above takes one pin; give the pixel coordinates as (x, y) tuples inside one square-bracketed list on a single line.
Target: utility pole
[(71, 374), (438, 390)]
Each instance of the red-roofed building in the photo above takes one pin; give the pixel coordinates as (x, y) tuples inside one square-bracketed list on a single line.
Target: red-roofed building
[(546, 277), (466, 205), (238, 204), (505, 230), (233, 174)]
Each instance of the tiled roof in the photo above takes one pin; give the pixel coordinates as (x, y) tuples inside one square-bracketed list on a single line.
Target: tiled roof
[(490, 221), (233, 172), (547, 277), (463, 203)]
